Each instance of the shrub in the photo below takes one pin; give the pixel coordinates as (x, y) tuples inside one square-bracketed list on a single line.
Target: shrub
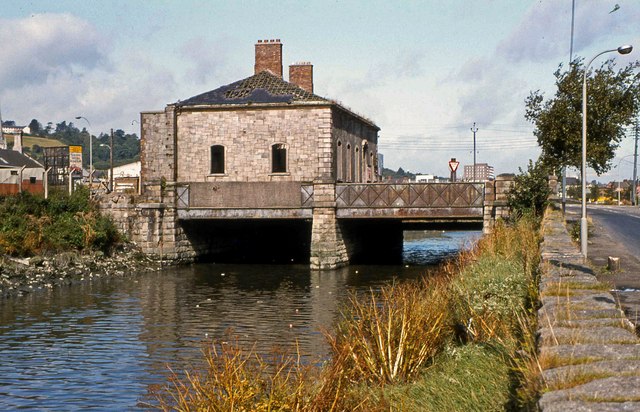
[(30, 224), (530, 192)]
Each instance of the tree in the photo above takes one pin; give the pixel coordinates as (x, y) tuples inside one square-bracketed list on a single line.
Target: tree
[(611, 104), (35, 127), (530, 191)]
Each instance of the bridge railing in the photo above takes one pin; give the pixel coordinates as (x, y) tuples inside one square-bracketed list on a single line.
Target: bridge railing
[(410, 195)]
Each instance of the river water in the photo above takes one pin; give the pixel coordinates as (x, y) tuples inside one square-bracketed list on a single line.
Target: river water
[(99, 345)]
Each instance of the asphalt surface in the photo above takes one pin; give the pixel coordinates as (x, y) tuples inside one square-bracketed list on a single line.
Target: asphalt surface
[(615, 232)]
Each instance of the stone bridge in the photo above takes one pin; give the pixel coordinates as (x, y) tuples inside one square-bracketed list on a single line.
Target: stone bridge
[(335, 221)]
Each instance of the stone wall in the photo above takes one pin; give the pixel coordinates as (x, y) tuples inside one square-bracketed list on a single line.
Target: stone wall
[(495, 200), (355, 148), (247, 137), (588, 350)]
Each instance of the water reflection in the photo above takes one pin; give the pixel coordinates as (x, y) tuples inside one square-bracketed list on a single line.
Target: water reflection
[(99, 345)]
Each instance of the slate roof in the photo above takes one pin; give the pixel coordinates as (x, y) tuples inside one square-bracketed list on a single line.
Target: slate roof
[(11, 158), (263, 87)]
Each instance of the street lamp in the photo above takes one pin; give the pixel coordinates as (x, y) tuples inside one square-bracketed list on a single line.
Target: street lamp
[(618, 167), (626, 49), (90, 153)]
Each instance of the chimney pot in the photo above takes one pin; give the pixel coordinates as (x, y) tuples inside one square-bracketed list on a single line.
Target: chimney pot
[(269, 57)]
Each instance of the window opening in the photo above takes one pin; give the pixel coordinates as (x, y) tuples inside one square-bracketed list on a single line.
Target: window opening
[(278, 158), (217, 159)]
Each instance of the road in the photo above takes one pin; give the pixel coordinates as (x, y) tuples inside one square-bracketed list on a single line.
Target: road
[(615, 232)]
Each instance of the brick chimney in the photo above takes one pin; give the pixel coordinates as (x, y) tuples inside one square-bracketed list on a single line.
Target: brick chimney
[(301, 74), (269, 57)]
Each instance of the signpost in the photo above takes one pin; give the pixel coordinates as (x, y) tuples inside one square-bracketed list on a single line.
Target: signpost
[(453, 166)]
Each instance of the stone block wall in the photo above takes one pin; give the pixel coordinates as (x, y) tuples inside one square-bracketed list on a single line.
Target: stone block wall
[(157, 150), (355, 161), (247, 136), (328, 246), (495, 200)]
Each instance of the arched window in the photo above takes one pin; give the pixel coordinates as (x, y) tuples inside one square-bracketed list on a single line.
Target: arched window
[(358, 168), (339, 166), (217, 159), (349, 159), (279, 158)]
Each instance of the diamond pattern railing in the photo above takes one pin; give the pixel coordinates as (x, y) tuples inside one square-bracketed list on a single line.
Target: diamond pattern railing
[(411, 195)]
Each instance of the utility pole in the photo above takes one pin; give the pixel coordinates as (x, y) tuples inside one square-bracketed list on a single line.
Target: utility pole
[(111, 162), (564, 168), (474, 129), (635, 169)]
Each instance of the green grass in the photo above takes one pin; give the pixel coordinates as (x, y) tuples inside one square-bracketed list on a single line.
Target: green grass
[(29, 141), (474, 377)]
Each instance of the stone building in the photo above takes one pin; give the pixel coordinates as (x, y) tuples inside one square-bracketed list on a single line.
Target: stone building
[(260, 129), (260, 150)]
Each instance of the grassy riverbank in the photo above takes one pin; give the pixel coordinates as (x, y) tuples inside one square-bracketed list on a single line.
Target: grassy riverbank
[(460, 339)]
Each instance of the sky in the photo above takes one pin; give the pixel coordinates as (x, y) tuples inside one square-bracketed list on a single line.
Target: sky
[(423, 71)]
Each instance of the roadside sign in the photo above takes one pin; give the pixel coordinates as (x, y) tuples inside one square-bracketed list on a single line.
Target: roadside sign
[(75, 158), (453, 165)]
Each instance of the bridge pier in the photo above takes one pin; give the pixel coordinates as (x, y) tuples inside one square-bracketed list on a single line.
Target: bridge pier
[(328, 246)]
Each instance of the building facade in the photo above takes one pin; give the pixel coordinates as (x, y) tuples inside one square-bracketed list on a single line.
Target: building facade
[(19, 173), (483, 172)]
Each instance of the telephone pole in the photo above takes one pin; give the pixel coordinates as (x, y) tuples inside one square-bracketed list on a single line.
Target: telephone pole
[(635, 169), (474, 129)]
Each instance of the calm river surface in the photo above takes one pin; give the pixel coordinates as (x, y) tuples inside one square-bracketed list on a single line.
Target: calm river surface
[(99, 345)]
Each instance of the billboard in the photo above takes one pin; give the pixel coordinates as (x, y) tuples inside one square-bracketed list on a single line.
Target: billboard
[(75, 158)]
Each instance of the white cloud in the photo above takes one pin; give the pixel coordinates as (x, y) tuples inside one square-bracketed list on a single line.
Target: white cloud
[(208, 59), (44, 45)]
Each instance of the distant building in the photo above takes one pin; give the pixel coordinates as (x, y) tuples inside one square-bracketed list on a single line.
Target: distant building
[(19, 173), (425, 178), (126, 177), (483, 172)]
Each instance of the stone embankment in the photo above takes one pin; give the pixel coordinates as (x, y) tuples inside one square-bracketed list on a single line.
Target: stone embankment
[(20, 276), (589, 352)]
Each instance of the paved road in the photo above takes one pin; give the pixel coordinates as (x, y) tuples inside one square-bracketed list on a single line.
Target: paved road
[(616, 232)]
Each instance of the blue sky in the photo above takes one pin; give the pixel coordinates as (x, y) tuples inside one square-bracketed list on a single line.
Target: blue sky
[(424, 71)]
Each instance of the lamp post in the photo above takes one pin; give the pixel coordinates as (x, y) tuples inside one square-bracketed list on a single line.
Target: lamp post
[(626, 49), (90, 153), (618, 167)]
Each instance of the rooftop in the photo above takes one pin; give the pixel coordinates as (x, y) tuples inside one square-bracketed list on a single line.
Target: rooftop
[(263, 87)]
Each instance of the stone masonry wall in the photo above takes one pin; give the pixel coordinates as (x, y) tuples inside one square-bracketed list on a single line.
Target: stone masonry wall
[(350, 134), (247, 136), (157, 150), (328, 246), (589, 353), (495, 201)]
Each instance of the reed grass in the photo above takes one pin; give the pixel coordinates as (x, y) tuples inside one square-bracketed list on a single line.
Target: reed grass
[(390, 336)]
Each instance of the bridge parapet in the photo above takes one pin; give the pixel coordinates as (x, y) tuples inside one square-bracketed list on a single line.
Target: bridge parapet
[(410, 200)]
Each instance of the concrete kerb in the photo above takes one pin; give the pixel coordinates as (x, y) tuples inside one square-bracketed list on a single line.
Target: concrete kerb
[(588, 351)]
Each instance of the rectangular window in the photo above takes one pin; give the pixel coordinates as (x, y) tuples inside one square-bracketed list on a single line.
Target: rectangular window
[(217, 159), (32, 180), (278, 158)]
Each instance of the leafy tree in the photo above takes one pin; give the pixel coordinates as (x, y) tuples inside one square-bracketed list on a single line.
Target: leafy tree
[(611, 103), (530, 192), (36, 127)]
